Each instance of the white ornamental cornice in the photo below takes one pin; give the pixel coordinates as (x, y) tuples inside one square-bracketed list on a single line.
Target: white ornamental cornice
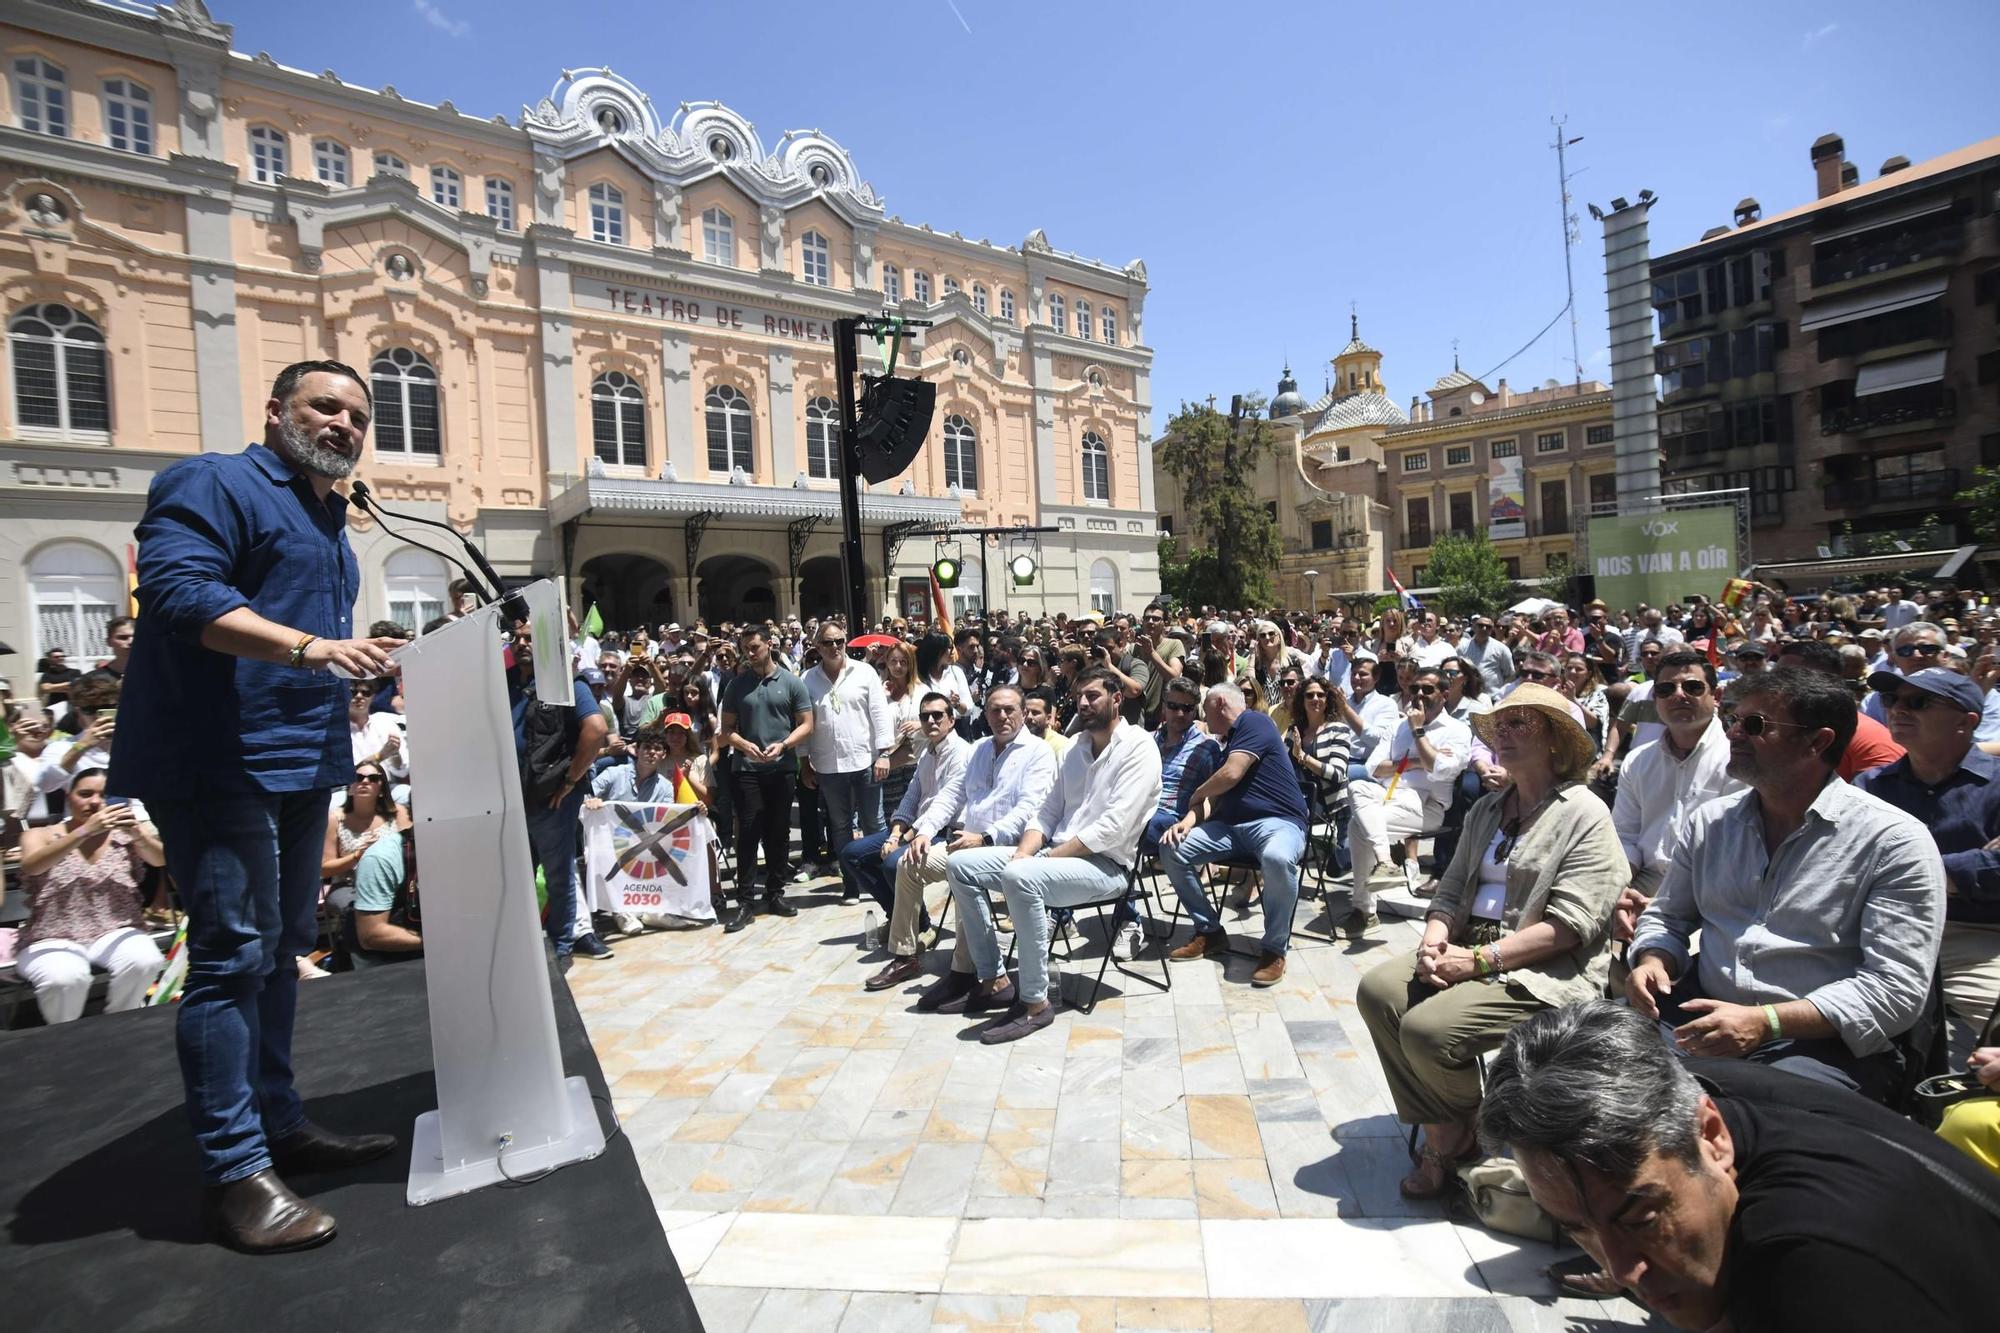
[(589, 109)]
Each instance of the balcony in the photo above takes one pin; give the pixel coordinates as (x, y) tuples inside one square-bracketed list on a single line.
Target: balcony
[(1900, 407), (1910, 488), (1893, 250), (1561, 525)]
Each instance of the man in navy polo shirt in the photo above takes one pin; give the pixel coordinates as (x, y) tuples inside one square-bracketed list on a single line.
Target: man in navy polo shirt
[(1255, 811), (233, 732)]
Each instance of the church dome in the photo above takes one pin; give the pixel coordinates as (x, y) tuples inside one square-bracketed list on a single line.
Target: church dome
[(1289, 402)]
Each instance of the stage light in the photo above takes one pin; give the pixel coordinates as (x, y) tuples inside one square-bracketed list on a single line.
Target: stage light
[(891, 421), (1022, 567), (945, 570)]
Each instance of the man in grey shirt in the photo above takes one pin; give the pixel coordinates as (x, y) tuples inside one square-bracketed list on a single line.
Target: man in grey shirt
[(1493, 658), (1820, 907)]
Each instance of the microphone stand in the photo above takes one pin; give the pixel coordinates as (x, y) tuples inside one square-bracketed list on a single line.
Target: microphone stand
[(490, 591)]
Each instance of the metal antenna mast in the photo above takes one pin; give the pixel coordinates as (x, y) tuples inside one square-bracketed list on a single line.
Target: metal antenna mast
[(1569, 221)]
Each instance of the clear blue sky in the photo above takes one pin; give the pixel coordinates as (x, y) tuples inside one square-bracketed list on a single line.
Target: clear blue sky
[(1269, 162)]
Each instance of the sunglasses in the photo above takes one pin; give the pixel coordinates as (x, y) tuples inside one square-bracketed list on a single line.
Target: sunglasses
[(933, 715), (1919, 649), (360, 778), (1754, 725), (1913, 701), (1693, 689), (1179, 708), (1532, 673), (1425, 691), (1451, 675)]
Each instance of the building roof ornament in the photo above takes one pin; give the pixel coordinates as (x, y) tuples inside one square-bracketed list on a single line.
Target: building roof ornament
[(1289, 401)]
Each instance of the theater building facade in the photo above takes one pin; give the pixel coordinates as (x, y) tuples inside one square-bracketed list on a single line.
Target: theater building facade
[(599, 338)]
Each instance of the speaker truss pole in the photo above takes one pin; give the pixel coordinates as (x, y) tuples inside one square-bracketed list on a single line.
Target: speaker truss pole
[(853, 564)]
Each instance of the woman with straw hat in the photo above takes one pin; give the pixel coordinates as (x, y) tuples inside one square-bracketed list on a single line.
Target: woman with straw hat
[(1521, 922)]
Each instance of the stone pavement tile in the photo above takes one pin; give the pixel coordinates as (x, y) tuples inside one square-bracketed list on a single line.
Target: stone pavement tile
[(1233, 1187), (693, 1236), (726, 1179), (1305, 1173), (787, 1311), (1156, 1210), (726, 1309), (1374, 1168), (668, 1168), (1278, 1100), (914, 1083), (938, 1180), (1471, 1314), (1137, 1314), (1070, 1314), (1090, 1103), (887, 1312), (804, 1077), (1033, 1080), (1264, 1046), (1511, 1266), (1249, 1316), (1568, 1316), (1223, 1127), (996, 1205), (868, 1176), (709, 1126), (1082, 1166), (958, 1122), (1092, 1033), (834, 1252), (843, 1106), (1077, 1257), (795, 1178), (1328, 1257), (654, 1121), (1016, 1158), (1165, 1178), (965, 1313), (1154, 1133), (894, 1124), (1208, 1059), (772, 1131)]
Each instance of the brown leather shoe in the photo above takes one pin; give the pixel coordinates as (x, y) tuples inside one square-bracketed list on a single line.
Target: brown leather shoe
[(1213, 944), (260, 1215), (896, 973), (1270, 971), (312, 1148)]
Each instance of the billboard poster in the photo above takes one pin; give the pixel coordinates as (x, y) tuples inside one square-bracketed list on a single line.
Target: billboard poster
[(1506, 500), (644, 858), (1663, 556)]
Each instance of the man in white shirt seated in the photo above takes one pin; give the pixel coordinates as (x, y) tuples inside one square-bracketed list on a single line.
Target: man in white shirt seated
[(1418, 768), (1373, 716), (847, 755), (876, 860), (1077, 850), (1666, 778), (987, 802)]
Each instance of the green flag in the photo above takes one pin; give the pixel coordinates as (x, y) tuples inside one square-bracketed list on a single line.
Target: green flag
[(593, 624)]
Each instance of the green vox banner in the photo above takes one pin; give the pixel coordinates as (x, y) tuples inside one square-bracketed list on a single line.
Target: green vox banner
[(1663, 556)]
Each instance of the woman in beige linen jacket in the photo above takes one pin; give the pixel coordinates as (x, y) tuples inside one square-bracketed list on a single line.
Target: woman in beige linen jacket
[(1521, 922)]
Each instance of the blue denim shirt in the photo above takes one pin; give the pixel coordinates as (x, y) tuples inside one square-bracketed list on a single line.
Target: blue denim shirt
[(222, 531)]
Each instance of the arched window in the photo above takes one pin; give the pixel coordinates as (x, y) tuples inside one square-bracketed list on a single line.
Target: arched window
[(500, 202), (618, 419), (966, 599), (1058, 313), (1103, 587), (1006, 305), (416, 585), (979, 298), (920, 286), (815, 260), (406, 406), (330, 162), (950, 285), (961, 454), (41, 97), (718, 237), (388, 164), (1083, 329), (76, 590), (607, 214), (892, 285), (1110, 317), (822, 438), (447, 188), (268, 155), (729, 425), (59, 370), (128, 116), (1096, 469)]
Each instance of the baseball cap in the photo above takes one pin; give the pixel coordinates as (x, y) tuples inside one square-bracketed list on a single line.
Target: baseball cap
[(1871, 634), (1961, 690), (592, 676), (681, 720)]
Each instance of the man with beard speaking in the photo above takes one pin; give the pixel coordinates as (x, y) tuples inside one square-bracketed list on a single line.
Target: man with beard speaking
[(234, 733)]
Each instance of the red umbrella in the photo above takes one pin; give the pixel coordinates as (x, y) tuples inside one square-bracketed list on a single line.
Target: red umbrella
[(874, 641)]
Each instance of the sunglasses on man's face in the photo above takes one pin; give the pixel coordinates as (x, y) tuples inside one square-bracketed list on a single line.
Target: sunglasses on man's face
[(1425, 691), (1173, 707), (1907, 650), (1754, 725), (1537, 675), (1693, 688), (934, 715), (1910, 701)]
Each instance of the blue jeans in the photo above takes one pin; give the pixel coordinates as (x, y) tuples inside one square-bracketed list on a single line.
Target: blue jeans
[(843, 798), (1032, 884), (1275, 845), (248, 868), (552, 846), (863, 865)]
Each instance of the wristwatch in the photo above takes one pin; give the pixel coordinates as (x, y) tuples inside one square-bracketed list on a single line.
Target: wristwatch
[(1417, 731)]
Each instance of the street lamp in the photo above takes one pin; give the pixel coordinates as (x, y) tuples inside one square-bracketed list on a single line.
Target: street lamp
[(1312, 592)]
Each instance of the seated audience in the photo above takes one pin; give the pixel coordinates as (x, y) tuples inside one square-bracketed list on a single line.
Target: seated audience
[(1413, 773), (1520, 923), (1250, 807), (1819, 906), (367, 815), (1873, 745), (1077, 849), (82, 881), (384, 924), (1038, 709), (1187, 756), (1725, 1196)]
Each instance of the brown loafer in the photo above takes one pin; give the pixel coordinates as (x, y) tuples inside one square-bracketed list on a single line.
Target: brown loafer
[(947, 995), (1210, 945), (311, 1148), (1270, 971), (1018, 1025), (260, 1215), (983, 1001), (896, 973)]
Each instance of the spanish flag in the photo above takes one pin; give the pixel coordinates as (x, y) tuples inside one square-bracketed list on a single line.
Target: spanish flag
[(1734, 591)]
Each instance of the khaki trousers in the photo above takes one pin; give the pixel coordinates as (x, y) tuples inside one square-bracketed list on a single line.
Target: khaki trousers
[(1970, 961), (912, 880), (1430, 1041)]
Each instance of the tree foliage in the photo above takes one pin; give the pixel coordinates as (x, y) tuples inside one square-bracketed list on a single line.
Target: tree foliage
[(1984, 497), (1215, 464), (1469, 574), (1554, 585)]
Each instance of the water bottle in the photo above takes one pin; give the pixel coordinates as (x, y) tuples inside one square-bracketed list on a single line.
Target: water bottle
[(871, 929)]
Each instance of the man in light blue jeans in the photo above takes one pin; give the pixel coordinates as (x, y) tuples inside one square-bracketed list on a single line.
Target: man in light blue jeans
[(847, 755), (1255, 810), (1076, 850)]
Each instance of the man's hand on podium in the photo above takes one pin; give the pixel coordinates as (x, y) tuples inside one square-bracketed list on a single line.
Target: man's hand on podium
[(360, 659)]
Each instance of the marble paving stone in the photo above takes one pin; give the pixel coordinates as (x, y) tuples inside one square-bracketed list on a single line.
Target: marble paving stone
[(835, 1252), (1325, 1257), (1082, 1167), (693, 1236), (887, 1312), (726, 1309), (772, 1131), (1248, 1316), (964, 1313), (1003, 1205), (1169, 1315), (1140, 1178), (1070, 1314), (1572, 1316), (868, 1175), (1281, 1099), (1264, 1046), (1033, 1080), (1156, 1209), (1378, 1315), (1223, 1127), (958, 1122), (1374, 1168), (787, 1311), (1233, 1187), (1154, 1134), (795, 1178), (938, 1180), (1077, 1257)]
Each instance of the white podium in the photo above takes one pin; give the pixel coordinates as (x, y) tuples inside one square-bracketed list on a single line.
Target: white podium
[(504, 1108)]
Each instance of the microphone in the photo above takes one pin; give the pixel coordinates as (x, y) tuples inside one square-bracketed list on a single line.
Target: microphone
[(489, 591)]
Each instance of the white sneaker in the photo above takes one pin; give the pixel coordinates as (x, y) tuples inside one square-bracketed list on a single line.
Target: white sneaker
[(630, 925), (1130, 940)]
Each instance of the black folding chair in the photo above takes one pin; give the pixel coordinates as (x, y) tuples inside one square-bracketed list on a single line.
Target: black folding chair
[(1062, 924)]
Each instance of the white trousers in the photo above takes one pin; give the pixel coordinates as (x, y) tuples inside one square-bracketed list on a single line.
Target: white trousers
[(59, 970), (1375, 823)]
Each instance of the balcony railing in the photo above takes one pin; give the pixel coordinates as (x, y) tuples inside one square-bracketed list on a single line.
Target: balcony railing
[(1893, 251), (1928, 402), (1938, 484)]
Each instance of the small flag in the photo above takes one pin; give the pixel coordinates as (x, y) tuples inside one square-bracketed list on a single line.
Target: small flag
[(131, 580), (1734, 591), (593, 623), (1409, 603), (940, 611)]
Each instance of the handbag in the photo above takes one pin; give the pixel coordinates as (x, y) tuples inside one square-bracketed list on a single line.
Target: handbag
[(1497, 1193), (1940, 1092)]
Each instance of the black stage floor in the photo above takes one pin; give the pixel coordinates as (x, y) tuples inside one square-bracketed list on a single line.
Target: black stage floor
[(99, 1184)]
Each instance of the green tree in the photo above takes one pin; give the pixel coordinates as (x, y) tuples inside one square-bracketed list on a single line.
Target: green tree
[(1214, 459), (1469, 574), (1984, 497), (1554, 585)]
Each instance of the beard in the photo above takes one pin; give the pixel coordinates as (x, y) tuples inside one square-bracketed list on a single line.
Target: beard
[(308, 453)]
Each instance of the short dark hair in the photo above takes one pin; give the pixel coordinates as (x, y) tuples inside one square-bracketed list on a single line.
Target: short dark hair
[(1812, 655), (288, 379), (1815, 701), (116, 623), (1102, 676), (930, 695), (1181, 685), (387, 629), (651, 731), (1683, 657)]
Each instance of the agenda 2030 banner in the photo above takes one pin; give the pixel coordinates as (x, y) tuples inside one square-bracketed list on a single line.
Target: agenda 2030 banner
[(645, 859), (1663, 556)]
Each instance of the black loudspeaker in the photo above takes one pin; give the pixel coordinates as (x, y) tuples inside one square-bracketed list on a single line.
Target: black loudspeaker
[(895, 415)]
